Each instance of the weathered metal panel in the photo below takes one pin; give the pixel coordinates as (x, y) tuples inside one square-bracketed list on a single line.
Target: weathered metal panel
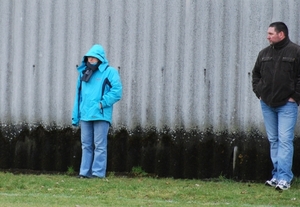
[(183, 63)]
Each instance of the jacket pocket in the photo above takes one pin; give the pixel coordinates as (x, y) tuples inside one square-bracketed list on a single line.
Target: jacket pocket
[(288, 63), (266, 64), (288, 59), (265, 59)]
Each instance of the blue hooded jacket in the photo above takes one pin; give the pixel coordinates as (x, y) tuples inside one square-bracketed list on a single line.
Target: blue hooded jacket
[(103, 87)]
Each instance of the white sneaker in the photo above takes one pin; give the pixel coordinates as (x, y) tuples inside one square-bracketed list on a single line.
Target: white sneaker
[(273, 182), (282, 185)]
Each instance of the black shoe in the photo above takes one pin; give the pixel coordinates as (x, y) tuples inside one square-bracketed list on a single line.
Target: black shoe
[(82, 176), (95, 176)]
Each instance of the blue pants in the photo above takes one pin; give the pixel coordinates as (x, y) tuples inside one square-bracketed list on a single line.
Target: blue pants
[(94, 148), (280, 125)]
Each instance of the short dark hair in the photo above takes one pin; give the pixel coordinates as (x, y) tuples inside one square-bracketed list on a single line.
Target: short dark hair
[(280, 27)]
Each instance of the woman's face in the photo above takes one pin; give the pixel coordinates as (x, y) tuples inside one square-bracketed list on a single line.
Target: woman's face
[(92, 60)]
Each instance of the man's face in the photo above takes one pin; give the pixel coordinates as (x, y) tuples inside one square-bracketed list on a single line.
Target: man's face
[(273, 36)]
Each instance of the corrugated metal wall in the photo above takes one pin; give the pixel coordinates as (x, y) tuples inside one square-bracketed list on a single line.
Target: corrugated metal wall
[(183, 63)]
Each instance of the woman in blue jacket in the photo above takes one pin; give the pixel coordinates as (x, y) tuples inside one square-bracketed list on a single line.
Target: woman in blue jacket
[(98, 88)]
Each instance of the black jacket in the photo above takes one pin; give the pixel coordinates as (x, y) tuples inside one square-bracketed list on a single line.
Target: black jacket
[(276, 74)]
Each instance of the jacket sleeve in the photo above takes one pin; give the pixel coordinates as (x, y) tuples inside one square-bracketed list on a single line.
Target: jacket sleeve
[(75, 113), (296, 95), (115, 92), (256, 76)]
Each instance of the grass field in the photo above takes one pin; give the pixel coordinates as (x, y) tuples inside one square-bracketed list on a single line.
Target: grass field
[(24, 190)]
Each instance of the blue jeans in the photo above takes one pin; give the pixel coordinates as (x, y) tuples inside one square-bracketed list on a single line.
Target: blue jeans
[(280, 125), (94, 148)]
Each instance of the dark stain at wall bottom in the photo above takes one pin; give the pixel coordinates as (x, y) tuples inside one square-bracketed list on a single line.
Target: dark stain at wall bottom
[(165, 153)]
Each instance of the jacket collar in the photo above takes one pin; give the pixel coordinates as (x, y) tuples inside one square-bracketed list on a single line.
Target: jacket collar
[(281, 44)]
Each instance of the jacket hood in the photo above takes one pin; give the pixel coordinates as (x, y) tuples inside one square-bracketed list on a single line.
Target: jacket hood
[(98, 52)]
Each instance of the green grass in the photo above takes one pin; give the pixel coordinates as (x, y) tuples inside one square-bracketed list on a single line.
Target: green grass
[(25, 190)]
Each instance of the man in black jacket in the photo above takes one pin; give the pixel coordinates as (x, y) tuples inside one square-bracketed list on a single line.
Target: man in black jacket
[(276, 82)]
